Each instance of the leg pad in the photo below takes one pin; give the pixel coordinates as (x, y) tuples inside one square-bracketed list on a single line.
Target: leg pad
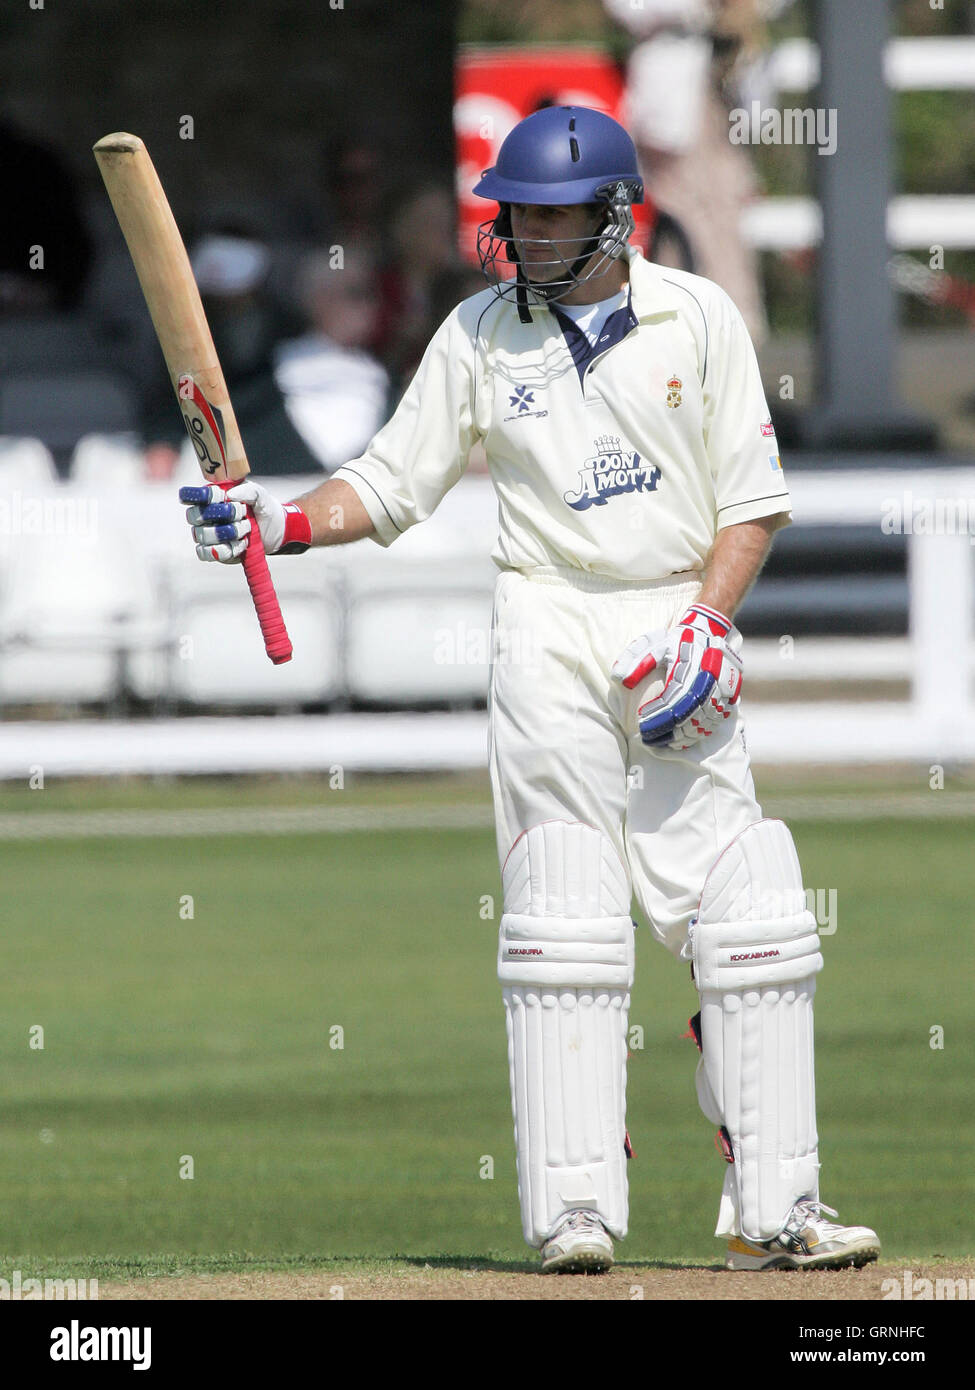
[(565, 959), (756, 954)]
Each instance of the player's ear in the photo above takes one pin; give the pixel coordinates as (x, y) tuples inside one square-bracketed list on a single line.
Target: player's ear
[(502, 223), (502, 228)]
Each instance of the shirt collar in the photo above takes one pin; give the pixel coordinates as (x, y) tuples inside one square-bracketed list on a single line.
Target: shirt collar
[(650, 292), (614, 330)]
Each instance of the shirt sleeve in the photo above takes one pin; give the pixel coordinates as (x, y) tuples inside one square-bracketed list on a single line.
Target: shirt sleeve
[(422, 451), (741, 444)]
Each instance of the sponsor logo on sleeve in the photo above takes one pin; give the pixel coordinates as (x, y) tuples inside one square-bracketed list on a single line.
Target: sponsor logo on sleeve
[(768, 430)]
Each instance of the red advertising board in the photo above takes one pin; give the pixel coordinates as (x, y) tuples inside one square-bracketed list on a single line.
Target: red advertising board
[(496, 86)]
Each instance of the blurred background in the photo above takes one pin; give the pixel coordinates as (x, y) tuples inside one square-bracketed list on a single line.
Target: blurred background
[(817, 158)]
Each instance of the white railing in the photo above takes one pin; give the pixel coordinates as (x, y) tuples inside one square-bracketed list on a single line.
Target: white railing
[(438, 574), (913, 222), (935, 723), (910, 65)]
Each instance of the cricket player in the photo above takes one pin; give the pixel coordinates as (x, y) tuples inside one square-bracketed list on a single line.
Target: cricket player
[(639, 484)]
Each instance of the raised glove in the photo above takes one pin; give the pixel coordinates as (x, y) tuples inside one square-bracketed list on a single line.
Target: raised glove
[(704, 675), (221, 517)]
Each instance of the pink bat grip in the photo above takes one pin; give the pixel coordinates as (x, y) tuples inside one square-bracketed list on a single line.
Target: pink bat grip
[(276, 640), (258, 576)]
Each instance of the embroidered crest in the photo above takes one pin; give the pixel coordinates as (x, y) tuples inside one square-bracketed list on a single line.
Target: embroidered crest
[(674, 397)]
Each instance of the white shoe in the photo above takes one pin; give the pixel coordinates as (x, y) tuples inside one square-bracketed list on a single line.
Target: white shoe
[(808, 1241), (580, 1244)]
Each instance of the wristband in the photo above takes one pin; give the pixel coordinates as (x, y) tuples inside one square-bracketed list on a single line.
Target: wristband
[(297, 531), (718, 624)]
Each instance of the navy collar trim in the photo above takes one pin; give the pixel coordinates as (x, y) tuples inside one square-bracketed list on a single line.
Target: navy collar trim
[(614, 331)]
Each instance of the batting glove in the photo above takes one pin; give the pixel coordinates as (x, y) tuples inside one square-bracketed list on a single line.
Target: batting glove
[(221, 515), (704, 675)]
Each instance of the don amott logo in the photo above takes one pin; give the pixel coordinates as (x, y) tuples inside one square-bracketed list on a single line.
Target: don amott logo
[(611, 471)]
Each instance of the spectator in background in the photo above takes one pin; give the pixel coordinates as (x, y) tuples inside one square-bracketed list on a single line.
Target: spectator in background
[(336, 393), (679, 76), (424, 243), (40, 212), (231, 271), (353, 182)]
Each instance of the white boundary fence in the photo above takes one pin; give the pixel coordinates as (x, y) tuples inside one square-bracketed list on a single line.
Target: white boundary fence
[(913, 222), (936, 723), (915, 64), (443, 562)]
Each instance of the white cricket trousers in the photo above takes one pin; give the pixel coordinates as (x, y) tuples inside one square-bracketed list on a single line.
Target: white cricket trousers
[(564, 742)]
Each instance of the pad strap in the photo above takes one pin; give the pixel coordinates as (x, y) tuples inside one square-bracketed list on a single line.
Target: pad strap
[(568, 951), (753, 955)]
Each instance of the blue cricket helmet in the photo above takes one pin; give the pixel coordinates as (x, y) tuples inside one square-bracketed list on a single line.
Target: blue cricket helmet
[(561, 156), (564, 155)]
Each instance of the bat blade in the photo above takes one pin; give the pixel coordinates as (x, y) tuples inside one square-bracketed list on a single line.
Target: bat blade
[(173, 301)]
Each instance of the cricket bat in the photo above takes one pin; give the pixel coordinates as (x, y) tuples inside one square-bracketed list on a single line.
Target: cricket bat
[(173, 300)]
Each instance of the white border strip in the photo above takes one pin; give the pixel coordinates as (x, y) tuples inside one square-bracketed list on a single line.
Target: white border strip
[(242, 746), (804, 732)]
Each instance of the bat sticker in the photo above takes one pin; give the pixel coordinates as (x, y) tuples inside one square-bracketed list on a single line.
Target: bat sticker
[(204, 425)]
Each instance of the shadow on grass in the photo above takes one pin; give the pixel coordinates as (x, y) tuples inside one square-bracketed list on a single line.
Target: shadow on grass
[(506, 1264), (125, 1268)]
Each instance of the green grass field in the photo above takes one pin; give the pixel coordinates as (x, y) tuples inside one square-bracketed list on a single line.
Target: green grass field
[(213, 1037)]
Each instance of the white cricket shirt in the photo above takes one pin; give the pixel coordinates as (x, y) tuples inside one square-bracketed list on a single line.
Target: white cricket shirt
[(622, 462), (591, 318)]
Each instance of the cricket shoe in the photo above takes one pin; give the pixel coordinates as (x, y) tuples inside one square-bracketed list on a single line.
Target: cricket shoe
[(580, 1244), (808, 1241)]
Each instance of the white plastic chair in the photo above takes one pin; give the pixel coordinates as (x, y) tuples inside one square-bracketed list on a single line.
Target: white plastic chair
[(104, 461), (77, 600)]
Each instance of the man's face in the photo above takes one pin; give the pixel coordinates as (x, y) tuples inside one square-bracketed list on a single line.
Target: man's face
[(534, 225)]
